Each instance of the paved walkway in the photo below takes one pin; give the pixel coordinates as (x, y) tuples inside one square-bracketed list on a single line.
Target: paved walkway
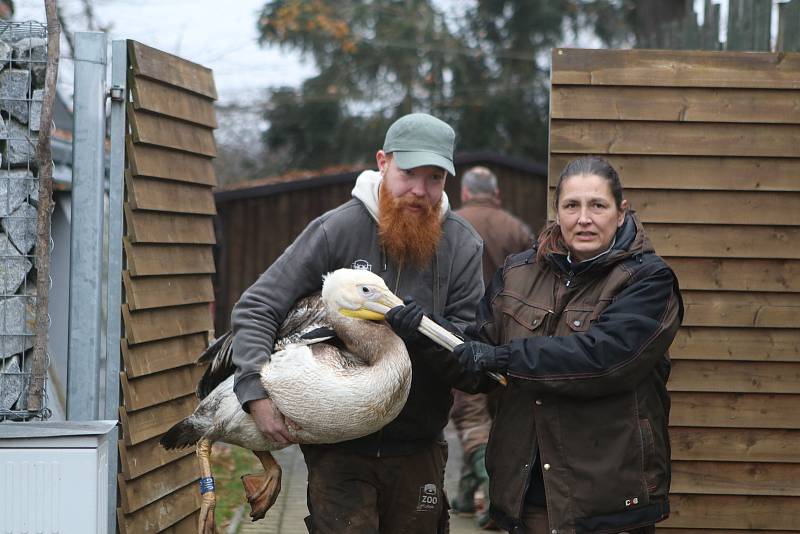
[(286, 515)]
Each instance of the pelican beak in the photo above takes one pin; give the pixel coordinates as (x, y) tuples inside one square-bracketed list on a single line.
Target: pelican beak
[(374, 310), (362, 313)]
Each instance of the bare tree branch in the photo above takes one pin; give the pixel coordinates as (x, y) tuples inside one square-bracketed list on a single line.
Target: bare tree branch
[(45, 164), (67, 33), (88, 12)]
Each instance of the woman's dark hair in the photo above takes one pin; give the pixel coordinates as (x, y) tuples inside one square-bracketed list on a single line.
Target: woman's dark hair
[(550, 240)]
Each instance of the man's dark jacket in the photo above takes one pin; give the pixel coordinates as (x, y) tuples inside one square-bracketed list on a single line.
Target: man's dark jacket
[(586, 408)]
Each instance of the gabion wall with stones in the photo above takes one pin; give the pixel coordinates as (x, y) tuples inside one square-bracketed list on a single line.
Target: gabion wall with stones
[(23, 59)]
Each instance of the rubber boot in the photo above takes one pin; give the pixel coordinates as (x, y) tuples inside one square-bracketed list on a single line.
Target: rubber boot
[(464, 501), (478, 464)]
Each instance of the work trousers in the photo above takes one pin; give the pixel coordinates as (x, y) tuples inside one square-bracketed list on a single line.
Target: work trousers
[(354, 493), (470, 415)]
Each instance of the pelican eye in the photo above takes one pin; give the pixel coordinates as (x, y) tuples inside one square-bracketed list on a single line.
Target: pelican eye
[(364, 289)]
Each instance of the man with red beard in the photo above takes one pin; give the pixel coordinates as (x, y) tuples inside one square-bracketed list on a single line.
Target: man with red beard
[(398, 225)]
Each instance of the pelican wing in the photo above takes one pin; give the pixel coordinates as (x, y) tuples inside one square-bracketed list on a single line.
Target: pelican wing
[(218, 357), (307, 315)]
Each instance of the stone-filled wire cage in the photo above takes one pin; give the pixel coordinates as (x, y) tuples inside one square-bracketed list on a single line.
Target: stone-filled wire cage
[(23, 61)]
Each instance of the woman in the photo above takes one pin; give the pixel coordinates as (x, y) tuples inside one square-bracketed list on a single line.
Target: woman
[(581, 325)]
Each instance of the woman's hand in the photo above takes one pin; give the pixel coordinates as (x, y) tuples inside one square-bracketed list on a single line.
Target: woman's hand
[(477, 357), (271, 422)]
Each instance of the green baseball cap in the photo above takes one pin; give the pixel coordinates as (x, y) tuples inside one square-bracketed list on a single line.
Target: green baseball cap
[(420, 139)]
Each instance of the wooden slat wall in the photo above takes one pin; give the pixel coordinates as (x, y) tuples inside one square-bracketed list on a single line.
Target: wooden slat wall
[(167, 317), (708, 148)]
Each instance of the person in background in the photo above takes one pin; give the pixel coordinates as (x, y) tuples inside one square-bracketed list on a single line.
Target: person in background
[(503, 235), (399, 226), (581, 324)]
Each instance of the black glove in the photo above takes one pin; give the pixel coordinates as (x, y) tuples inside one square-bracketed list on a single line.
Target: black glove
[(405, 320), (477, 357)]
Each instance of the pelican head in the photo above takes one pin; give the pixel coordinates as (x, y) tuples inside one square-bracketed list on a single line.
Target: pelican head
[(358, 293)]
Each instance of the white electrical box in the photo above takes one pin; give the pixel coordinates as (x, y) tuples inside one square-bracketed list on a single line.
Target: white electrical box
[(54, 477)]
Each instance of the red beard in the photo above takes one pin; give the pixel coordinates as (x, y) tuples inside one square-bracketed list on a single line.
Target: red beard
[(409, 237)]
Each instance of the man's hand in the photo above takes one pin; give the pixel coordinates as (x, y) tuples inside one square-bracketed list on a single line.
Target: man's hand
[(405, 320), (271, 422), (477, 357)]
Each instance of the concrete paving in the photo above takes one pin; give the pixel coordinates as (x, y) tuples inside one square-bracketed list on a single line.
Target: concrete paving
[(286, 516)]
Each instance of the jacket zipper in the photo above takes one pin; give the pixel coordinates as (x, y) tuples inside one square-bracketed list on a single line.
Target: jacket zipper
[(396, 287)]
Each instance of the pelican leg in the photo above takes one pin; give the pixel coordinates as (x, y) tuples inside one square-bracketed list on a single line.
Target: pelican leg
[(262, 489), (208, 499)]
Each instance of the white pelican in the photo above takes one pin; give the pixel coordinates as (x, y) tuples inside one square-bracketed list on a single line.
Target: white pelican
[(333, 392)]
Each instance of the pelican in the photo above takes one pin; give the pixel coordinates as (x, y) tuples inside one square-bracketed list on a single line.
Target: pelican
[(332, 391)]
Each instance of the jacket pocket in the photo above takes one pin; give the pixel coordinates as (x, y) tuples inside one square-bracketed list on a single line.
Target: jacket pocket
[(578, 320), (649, 466), (521, 319)]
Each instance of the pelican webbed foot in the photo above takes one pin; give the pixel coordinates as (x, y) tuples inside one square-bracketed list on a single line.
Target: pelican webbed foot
[(262, 489)]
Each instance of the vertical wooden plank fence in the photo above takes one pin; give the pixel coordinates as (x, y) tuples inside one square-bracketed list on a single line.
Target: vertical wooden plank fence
[(708, 148), (167, 318)]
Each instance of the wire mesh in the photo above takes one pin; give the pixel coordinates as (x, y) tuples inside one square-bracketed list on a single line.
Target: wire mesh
[(23, 60)]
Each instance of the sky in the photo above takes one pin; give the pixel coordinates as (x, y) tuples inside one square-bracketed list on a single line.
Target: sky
[(218, 35)]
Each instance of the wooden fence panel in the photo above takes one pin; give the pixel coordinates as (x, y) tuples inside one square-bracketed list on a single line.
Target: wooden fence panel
[(156, 162), (682, 172), (146, 358), (666, 68), (136, 460), (163, 195), (736, 478), (151, 129), (707, 145), (735, 377), (669, 138), (153, 64), (167, 280), (162, 514), (749, 344), (162, 323), (735, 444), (160, 291), (160, 98), (168, 228), (161, 387), (150, 422), (139, 492), (733, 512), (665, 104), (729, 274), (162, 259)]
